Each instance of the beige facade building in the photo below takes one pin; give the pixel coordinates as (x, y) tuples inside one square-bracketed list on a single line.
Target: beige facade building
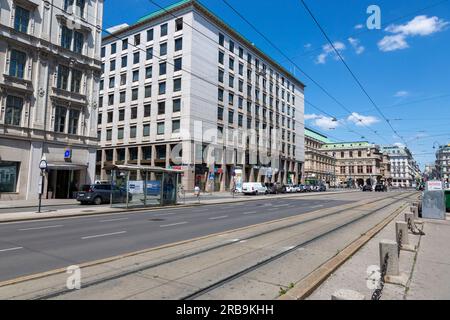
[(320, 165), (50, 72), (359, 163)]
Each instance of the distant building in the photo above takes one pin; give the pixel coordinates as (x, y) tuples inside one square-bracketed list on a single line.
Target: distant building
[(358, 163), (443, 163), (430, 172), (320, 165), (404, 168), (50, 72)]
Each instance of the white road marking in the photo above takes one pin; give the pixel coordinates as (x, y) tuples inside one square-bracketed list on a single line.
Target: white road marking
[(11, 249), (250, 212), (243, 241), (173, 224), (112, 220), (103, 235), (217, 218), (39, 228)]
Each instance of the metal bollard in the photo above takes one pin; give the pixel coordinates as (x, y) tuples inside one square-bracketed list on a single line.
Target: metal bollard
[(345, 294)]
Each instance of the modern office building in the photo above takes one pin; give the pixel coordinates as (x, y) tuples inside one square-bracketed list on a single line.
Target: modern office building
[(404, 168), (182, 90), (320, 166), (443, 163), (358, 163), (50, 72)]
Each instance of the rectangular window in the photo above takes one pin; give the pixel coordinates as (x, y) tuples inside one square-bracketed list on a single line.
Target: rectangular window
[(220, 95), (231, 63), (179, 24), (178, 44), (112, 65), (108, 138), (136, 57), (148, 73), (148, 91), (14, 106), (122, 97), (146, 130), (63, 77), (123, 79), (137, 39), (177, 85), (175, 126), (66, 37), (241, 69), (120, 134), (135, 75), (103, 52), (221, 74), (75, 85), (113, 48), (176, 105), (9, 173), (21, 19), (134, 94), (230, 99), (241, 53), (240, 120), (162, 88), (221, 57), (231, 81), (221, 39), (112, 82), (149, 35), (164, 30), (74, 117), (17, 64), (124, 62), (230, 116), (78, 42), (60, 119), (178, 64), (147, 110), (220, 113), (161, 107), (160, 128), (110, 116), (122, 115), (149, 53), (124, 44), (132, 135), (162, 68), (231, 46), (133, 113), (163, 49)]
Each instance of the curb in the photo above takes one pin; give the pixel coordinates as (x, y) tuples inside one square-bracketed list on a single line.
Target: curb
[(76, 215), (311, 282)]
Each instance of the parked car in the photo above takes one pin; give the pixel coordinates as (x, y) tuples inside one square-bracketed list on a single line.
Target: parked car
[(380, 188), (254, 188), (101, 193), (290, 188), (367, 188), (275, 188), (301, 188), (321, 188), (308, 188)]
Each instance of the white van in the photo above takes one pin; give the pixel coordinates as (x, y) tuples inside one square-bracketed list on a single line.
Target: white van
[(253, 188)]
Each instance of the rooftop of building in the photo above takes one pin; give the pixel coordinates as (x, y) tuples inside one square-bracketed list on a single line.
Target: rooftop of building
[(348, 145), (317, 136), (183, 4)]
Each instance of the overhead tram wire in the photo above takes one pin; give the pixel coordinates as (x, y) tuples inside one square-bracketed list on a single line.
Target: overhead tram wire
[(302, 71), (350, 71)]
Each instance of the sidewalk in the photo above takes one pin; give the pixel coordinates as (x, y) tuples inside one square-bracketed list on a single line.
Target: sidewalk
[(5, 204), (427, 269), (191, 201)]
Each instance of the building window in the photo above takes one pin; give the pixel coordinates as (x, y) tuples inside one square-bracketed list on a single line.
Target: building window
[(163, 49), (124, 61), (220, 113), (136, 57), (161, 107), (146, 130), (231, 62), (124, 44), (132, 135), (179, 24), (134, 94), (178, 64), (164, 30), (230, 99), (14, 106), (148, 91), (231, 81), (60, 119), (177, 85), (21, 19), (120, 137), (221, 39), (149, 35), (160, 128), (221, 57), (17, 64), (103, 52), (113, 48), (112, 82), (75, 85), (9, 173), (149, 53), (230, 116), (148, 72), (110, 116), (240, 120), (112, 65), (220, 94), (123, 79), (122, 97), (133, 113), (78, 42), (121, 114), (137, 39), (135, 75), (162, 88), (63, 77), (175, 126), (146, 153), (221, 74), (74, 117), (162, 68), (147, 110), (178, 44), (176, 105)]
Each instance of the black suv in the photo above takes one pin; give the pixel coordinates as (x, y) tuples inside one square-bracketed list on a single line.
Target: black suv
[(101, 193), (367, 187), (380, 188)]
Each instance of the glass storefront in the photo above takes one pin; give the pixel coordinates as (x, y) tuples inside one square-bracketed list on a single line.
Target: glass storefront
[(9, 172)]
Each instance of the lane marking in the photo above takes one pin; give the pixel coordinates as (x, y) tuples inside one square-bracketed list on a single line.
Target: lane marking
[(217, 218), (173, 224), (112, 220), (39, 228), (11, 249), (250, 212), (103, 235)]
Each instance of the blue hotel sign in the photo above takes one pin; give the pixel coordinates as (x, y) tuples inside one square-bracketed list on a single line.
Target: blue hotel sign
[(68, 154)]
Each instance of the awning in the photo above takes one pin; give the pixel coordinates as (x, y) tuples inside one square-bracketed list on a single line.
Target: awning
[(66, 166)]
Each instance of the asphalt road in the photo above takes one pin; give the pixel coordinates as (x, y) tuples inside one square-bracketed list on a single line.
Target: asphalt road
[(38, 246)]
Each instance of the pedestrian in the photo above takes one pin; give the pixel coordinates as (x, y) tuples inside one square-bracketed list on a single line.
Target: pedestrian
[(197, 192)]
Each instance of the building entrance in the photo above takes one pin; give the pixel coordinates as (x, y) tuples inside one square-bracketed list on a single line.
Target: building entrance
[(63, 184)]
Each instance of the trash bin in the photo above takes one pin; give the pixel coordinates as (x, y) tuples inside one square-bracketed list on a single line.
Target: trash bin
[(447, 200)]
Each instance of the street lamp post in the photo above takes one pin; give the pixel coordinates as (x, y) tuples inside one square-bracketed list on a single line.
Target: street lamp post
[(43, 166)]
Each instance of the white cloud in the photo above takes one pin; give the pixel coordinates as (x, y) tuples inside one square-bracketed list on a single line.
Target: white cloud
[(401, 94), (356, 44), (361, 120), (419, 26), (359, 26), (308, 45), (322, 122), (328, 50)]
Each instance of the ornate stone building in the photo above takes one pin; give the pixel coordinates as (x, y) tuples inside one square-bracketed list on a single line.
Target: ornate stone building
[(320, 165), (50, 73)]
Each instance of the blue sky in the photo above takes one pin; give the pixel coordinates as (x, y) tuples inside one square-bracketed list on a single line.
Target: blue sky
[(405, 66)]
